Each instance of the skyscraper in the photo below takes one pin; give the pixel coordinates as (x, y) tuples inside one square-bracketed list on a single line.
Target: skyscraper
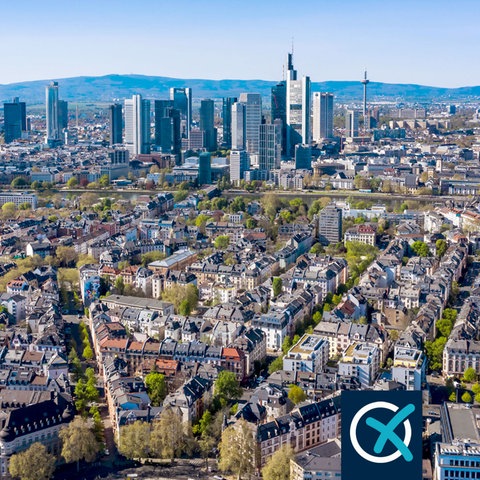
[(351, 123), (238, 126), (182, 101), (52, 111), (167, 127), (239, 164), (227, 121), (298, 108), (330, 225), (207, 124), (279, 109), (62, 114), (116, 123), (14, 114), (253, 114), (204, 169), (322, 116), (137, 125), (270, 147)]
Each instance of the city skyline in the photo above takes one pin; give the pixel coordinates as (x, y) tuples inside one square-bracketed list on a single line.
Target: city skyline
[(331, 41)]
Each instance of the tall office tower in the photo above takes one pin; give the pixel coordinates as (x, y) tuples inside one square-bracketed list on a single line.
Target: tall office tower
[(51, 100), (207, 124), (303, 157), (182, 101), (167, 127), (62, 114), (15, 118), (270, 147), (137, 125), (227, 121), (239, 126), (351, 123), (204, 169), (330, 225), (279, 110), (253, 114), (322, 116), (239, 164), (116, 123), (298, 108)]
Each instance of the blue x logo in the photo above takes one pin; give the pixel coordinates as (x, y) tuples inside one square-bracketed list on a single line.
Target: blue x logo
[(387, 432)]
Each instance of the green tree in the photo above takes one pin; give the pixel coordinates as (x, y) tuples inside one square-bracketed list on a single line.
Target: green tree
[(180, 196), (470, 375), (441, 247), (434, 352), (168, 438), (317, 248), (237, 450), (467, 398), (420, 248), (276, 365), (452, 397), (84, 259), (87, 353), (222, 242), (67, 256), (476, 388), (104, 181), (296, 394), (156, 388), (134, 441), (25, 206), (237, 205), (444, 327), (227, 386), (72, 182), (286, 345), (251, 223), (178, 293), (79, 442), (9, 208), (277, 285), (119, 285), (35, 463), (150, 257), (278, 466), (19, 182), (201, 220)]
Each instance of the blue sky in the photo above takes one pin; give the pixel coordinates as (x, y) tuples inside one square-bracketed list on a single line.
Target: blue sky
[(430, 42)]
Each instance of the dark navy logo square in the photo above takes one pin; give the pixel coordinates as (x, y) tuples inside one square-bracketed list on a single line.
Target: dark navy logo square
[(381, 435)]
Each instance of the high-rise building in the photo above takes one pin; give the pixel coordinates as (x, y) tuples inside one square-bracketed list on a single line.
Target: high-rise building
[(51, 100), (239, 164), (330, 225), (298, 109), (15, 120), (167, 127), (270, 147), (279, 109), (238, 126), (227, 121), (62, 114), (207, 124), (351, 123), (253, 114), (303, 157), (182, 101), (137, 125), (322, 116), (204, 169), (116, 123)]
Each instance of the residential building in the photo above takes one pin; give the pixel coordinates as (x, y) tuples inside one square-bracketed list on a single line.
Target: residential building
[(351, 123), (330, 225), (239, 164), (309, 354), (362, 234), (362, 362), (318, 463), (409, 367)]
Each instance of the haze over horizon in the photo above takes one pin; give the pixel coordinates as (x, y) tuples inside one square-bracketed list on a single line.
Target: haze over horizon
[(424, 43)]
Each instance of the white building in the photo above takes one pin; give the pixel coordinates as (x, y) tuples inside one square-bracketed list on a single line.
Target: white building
[(409, 367), (253, 120), (362, 361), (322, 116), (18, 198), (309, 354), (137, 125), (239, 126)]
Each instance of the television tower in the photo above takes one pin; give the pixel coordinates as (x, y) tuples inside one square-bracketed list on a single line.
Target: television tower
[(365, 82)]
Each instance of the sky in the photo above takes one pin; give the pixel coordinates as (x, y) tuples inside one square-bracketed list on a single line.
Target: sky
[(427, 42)]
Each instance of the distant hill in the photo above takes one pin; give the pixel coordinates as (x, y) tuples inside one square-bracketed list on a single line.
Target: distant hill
[(109, 87)]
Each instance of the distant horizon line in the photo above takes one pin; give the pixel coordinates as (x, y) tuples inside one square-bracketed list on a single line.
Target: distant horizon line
[(371, 82)]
